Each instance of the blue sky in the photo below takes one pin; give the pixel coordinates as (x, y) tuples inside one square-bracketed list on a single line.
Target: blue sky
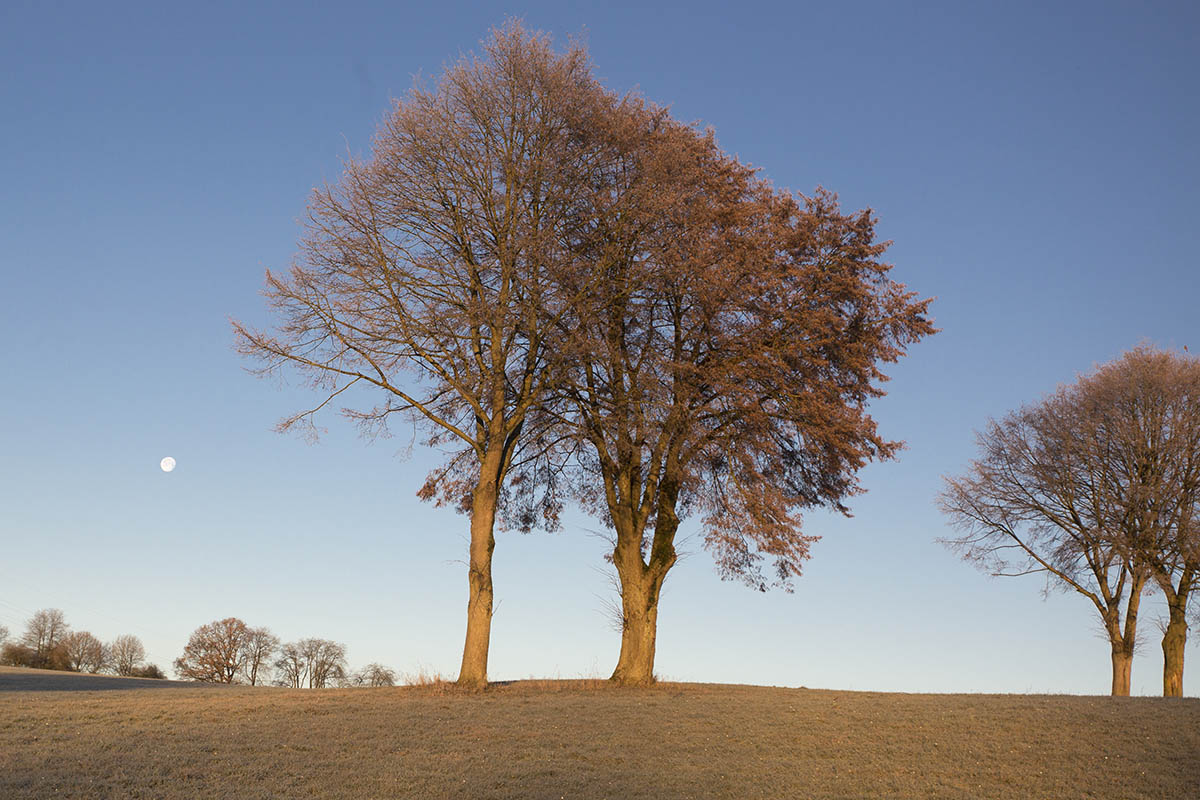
[(1035, 165)]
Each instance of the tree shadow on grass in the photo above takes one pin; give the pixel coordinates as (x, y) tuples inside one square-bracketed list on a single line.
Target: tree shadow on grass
[(19, 679)]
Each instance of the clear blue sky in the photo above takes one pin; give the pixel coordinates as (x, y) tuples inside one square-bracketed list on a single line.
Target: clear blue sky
[(1035, 164)]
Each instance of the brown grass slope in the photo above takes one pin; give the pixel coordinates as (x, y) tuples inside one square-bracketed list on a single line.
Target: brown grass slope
[(573, 740)]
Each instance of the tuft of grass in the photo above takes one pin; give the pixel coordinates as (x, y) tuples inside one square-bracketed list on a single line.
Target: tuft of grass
[(426, 678)]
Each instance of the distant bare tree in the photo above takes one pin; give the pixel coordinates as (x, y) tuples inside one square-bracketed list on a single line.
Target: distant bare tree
[(215, 653), (327, 661), (290, 666), (375, 675), (43, 633), (311, 663), (127, 653), (427, 274), (1096, 487), (3, 635), (261, 645), (84, 652)]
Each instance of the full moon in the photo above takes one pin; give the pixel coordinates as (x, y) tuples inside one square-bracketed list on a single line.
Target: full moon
[(167, 464)]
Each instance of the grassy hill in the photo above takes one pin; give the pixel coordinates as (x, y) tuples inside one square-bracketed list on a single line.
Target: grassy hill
[(572, 739)]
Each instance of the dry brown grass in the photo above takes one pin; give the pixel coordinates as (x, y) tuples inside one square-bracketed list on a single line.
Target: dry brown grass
[(555, 739), (428, 679)]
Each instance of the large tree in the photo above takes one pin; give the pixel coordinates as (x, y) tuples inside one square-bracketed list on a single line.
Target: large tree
[(1097, 487), (261, 646), (427, 275), (724, 362), (311, 663), (216, 652), (126, 654), (44, 633), (1144, 412), (84, 652)]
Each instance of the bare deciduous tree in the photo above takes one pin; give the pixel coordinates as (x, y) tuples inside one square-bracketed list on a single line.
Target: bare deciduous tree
[(3, 635), (426, 275), (84, 652), (724, 363), (43, 634), (261, 645), (1144, 411), (1097, 488), (127, 654), (290, 666), (215, 653), (311, 663), (375, 675)]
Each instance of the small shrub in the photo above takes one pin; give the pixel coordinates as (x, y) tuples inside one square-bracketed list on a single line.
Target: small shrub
[(147, 671), (17, 655)]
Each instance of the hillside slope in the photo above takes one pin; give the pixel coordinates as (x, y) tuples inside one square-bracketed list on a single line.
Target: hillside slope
[(565, 739)]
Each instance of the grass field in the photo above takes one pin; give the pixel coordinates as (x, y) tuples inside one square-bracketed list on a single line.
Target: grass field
[(583, 740)]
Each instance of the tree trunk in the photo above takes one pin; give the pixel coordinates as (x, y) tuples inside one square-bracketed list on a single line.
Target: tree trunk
[(641, 585), (639, 627), (1122, 669), (1174, 639), (1123, 639), (473, 673)]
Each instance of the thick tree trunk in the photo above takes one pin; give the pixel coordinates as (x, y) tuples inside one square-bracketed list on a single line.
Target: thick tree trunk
[(473, 673), (639, 627), (1122, 669), (1174, 640), (1123, 638), (641, 585)]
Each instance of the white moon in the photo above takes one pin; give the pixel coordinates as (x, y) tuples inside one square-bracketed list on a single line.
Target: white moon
[(167, 464)]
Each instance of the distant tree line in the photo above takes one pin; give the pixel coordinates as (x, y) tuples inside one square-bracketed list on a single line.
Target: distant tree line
[(230, 651), (224, 651), (49, 643)]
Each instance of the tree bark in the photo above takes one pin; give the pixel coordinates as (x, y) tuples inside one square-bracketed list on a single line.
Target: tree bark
[(639, 627), (1174, 640), (473, 672), (1122, 639), (1122, 669), (641, 585), (642, 580)]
